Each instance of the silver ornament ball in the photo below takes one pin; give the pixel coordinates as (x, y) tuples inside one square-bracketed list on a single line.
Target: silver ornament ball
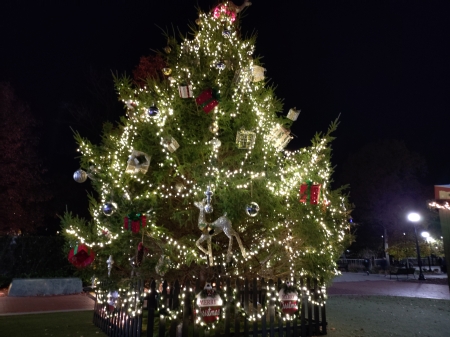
[(252, 209), (208, 208), (80, 176), (109, 208)]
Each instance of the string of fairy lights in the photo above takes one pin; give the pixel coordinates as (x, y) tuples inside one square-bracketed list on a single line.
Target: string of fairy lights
[(292, 167)]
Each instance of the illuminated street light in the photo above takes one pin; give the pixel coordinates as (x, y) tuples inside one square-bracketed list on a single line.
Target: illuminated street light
[(415, 217), (428, 238)]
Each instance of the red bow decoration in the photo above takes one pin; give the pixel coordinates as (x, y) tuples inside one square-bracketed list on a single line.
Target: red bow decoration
[(81, 256)]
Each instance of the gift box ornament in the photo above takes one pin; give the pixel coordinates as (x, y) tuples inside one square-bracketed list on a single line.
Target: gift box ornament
[(293, 114), (258, 73), (209, 305), (310, 191), (208, 100), (280, 137), (171, 144), (185, 91), (134, 222), (138, 162), (81, 256), (245, 139)]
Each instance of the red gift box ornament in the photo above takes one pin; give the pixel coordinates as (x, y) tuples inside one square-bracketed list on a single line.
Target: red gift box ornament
[(134, 222), (311, 192), (81, 256), (208, 100)]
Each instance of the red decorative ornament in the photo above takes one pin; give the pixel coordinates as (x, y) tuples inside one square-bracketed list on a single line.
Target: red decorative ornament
[(209, 306), (134, 222), (229, 10), (208, 100), (289, 302), (81, 256), (310, 191)]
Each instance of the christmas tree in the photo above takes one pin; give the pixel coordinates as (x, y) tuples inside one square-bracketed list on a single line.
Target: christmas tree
[(195, 180)]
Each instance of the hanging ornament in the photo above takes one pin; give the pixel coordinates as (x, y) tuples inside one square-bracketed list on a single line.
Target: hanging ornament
[(185, 91), (198, 21), (216, 143), (310, 191), (226, 33), (258, 73), (138, 162), (280, 137), (214, 127), (162, 265), (140, 254), (208, 99), (293, 114), (209, 305), (252, 209), (167, 49), (179, 187), (81, 256), (171, 144), (167, 71), (131, 105), (91, 172), (196, 46), (245, 139), (221, 65), (208, 207), (109, 208), (80, 176), (288, 296), (112, 300), (134, 222), (153, 111), (110, 263)]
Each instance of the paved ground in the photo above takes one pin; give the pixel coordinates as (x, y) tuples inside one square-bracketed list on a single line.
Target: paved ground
[(377, 284), (39, 304), (346, 284)]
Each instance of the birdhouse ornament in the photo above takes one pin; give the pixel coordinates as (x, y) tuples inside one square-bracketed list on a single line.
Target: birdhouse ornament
[(258, 73), (280, 137), (293, 114), (209, 305), (245, 139), (138, 162), (288, 297)]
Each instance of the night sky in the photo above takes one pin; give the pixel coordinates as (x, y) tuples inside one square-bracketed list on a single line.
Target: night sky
[(382, 65)]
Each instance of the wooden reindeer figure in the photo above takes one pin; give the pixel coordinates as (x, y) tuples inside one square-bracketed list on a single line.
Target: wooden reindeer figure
[(222, 224)]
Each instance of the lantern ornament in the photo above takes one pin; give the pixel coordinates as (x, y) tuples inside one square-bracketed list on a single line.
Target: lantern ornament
[(245, 139), (209, 305), (138, 162)]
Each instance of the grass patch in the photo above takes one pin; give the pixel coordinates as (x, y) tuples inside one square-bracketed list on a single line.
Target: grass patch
[(61, 324)]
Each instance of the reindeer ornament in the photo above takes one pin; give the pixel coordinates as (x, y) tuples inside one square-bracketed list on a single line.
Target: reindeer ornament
[(222, 224)]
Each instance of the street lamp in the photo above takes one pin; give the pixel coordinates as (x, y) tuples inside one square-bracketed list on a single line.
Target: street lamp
[(415, 217), (427, 237)]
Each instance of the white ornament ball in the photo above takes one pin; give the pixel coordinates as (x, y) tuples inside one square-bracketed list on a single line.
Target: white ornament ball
[(80, 176), (252, 209)]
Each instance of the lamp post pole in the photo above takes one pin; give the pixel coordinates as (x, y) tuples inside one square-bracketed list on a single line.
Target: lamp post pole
[(414, 217)]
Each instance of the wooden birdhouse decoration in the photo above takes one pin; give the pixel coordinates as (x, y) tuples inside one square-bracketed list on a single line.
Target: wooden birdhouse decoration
[(280, 137), (293, 114), (245, 139)]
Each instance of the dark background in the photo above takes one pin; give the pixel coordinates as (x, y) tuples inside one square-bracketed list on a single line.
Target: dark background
[(383, 66)]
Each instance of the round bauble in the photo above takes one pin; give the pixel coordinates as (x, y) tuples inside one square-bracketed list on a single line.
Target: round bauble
[(167, 49), (80, 176), (215, 143), (109, 208), (167, 71), (214, 127), (208, 208), (226, 33), (220, 65), (153, 111), (198, 21), (252, 209)]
